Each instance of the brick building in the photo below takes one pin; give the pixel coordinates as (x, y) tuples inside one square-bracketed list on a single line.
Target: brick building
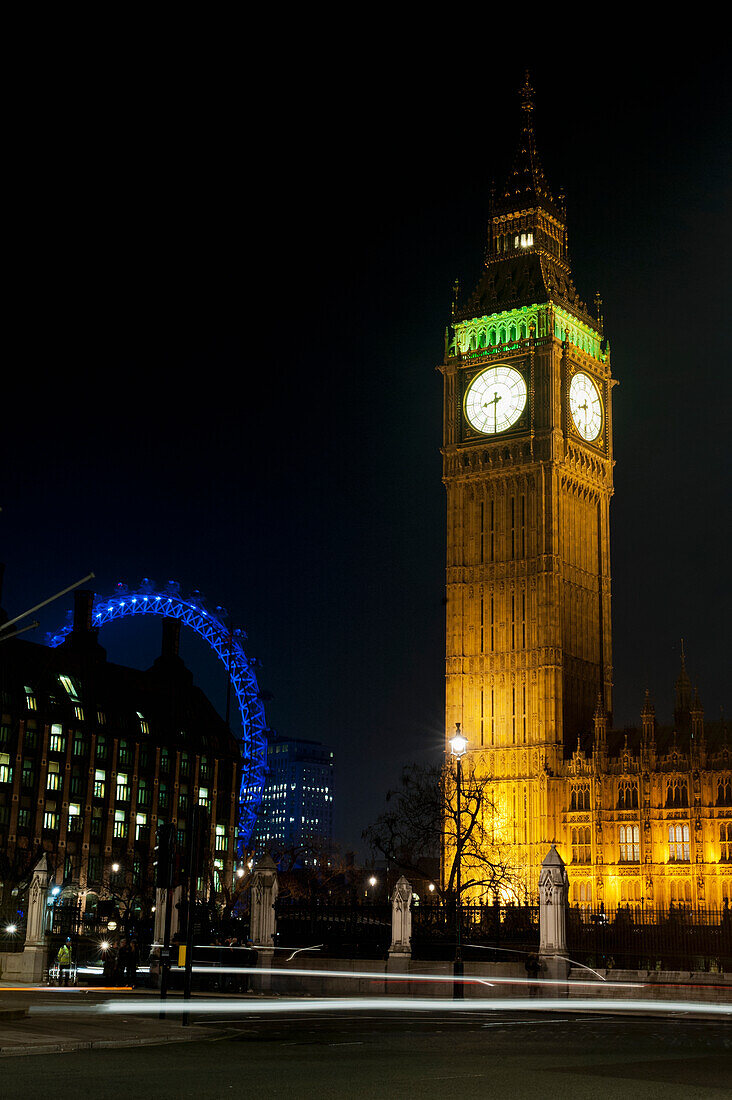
[(94, 755)]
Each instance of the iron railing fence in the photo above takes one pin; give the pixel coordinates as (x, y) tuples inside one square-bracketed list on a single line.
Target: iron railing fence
[(489, 933), (360, 930), (649, 938)]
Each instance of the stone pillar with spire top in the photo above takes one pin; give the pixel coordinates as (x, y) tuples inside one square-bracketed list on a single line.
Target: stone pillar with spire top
[(648, 732), (600, 730), (32, 963), (553, 900), (263, 922)]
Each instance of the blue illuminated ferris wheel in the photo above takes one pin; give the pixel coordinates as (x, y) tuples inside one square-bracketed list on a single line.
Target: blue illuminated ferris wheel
[(193, 612)]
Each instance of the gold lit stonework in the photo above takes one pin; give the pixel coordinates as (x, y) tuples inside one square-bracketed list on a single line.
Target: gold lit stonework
[(644, 819)]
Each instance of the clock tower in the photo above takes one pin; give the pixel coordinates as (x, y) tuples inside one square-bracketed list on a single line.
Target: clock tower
[(527, 465)]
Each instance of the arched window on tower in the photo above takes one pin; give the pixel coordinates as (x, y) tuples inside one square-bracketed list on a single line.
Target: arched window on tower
[(725, 842), (677, 792), (724, 791), (627, 795), (678, 843), (581, 844)]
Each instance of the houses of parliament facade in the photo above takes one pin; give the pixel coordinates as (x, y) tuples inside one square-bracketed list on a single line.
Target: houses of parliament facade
[(641, 817)]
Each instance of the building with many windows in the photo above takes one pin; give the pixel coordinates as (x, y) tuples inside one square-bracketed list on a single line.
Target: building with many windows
[(642, 816), (94, 756), (296, 815)]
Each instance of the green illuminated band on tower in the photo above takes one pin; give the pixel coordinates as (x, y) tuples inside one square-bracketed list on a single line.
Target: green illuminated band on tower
[(481, 334)]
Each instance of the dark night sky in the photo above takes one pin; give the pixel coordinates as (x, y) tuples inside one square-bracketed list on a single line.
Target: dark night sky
[(229, 297)]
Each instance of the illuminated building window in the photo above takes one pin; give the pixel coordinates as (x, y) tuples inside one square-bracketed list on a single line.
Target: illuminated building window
[(677, 792), (143, 794), (203, 799), (628, 796), (221, 839), (74, 817), (123, 790), (140, 826), (678, 843), (78, 744), (53, 780), (57, 741), (120, 824), (30, 698), (50, 819), (629, 843), (99, 782), (70, 688), (144, 727), (581, 845), (725, 841), (6, 772)]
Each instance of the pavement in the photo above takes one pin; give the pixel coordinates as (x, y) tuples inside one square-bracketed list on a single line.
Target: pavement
[(411, 1054), (37, 1019)]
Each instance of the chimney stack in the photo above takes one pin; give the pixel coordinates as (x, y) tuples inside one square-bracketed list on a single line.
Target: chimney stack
[(83, 600), (171, 637)]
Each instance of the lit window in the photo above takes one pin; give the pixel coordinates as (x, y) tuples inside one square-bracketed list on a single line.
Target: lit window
[(581, 845), (140, 826), (203, 799), (123, 790), (70, 688), (629, 843), (99, 778), (74, 817), (678, 843), (120, 824), (57, 741), (5, 769), (53, 781), (144, 727), (50, 819), (30, 698)]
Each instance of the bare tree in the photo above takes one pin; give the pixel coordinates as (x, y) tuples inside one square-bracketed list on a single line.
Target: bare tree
[(421, 825)]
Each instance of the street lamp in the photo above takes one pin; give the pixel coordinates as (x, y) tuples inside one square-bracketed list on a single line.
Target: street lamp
[(458, 748)]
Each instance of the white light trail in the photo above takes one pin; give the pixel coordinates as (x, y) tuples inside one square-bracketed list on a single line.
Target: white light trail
[(408, 1004)]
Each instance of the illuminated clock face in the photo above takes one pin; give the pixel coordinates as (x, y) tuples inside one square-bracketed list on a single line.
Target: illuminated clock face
[(495, 399), (585, 406)]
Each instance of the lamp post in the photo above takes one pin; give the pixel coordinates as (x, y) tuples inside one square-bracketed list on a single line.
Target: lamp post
[(458, 748)]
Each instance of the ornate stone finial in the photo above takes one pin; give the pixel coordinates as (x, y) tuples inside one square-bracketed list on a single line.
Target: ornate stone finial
[(527, 97), (648, 710)]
